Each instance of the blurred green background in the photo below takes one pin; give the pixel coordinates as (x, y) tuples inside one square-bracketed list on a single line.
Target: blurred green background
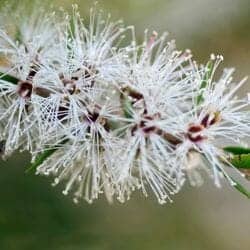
[(35, 216)]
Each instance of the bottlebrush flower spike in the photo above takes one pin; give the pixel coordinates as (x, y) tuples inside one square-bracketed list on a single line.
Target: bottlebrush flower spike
[(111, 119)]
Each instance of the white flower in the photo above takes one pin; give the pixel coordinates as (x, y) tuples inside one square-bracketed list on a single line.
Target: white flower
[(22, 59), (31, 42), (20, 121), (152, 91), (95, 46), (81, 106), (87, 64), (85, 153), (221, 119)]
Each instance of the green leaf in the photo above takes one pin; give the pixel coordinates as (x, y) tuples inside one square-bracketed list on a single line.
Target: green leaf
[(241, 161), (40, 160), (241, 189), (237, 150), (18, 35), (113, 124), (126, 106), (240, 158), (207, 76), (8, 78)]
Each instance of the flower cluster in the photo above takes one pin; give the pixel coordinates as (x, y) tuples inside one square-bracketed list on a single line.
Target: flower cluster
[(110, 117)]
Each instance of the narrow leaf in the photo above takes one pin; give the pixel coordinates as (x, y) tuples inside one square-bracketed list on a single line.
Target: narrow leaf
[(126, 106), (237, 150), (241, 189), (40, 160), (8, 78), (241, 161), (204, 81)]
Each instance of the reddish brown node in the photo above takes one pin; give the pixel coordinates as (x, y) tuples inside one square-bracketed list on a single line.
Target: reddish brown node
[(25, 89)]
